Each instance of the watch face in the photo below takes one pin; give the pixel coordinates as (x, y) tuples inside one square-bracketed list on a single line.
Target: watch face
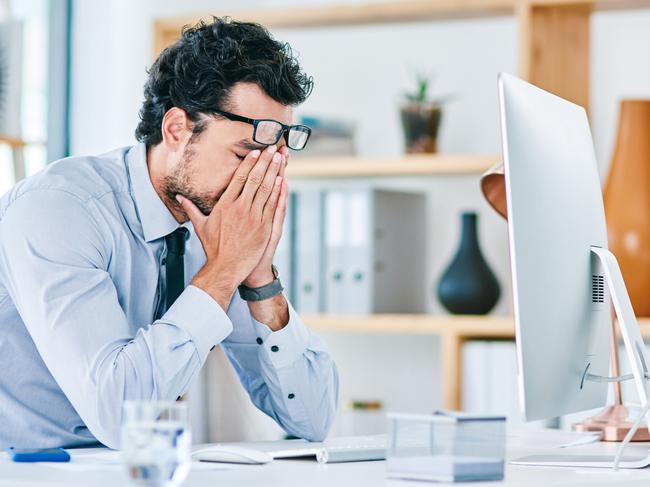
[(275, 271)]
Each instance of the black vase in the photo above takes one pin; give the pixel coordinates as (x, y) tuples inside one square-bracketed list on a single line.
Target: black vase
[(468, 285)]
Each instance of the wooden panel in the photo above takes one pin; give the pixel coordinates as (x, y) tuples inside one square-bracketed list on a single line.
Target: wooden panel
[(12, 141), (596, 4), (421, 324), (555, 48), (451, 372), (399, 166), (416, 324), (167, 30)]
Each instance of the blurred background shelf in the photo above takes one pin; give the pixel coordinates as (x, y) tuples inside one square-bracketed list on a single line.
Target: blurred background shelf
[(412, 165), (546, 28), (14, 142), (454, 331), (421, 324), (390, 11), (558, 45), (17, 146), (416, 324)]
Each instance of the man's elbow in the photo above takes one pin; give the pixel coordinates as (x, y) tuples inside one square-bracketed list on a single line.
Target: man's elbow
[(107, 431), (321, 421), (317, 434)]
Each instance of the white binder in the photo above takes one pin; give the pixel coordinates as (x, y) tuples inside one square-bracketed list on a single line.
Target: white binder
[(382, 255), (283, 255), (476, 377), (335, 274), (359, 252), (308, 234)]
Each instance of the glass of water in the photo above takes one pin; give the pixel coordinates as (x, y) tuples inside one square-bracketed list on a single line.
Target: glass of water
[(156, 443)]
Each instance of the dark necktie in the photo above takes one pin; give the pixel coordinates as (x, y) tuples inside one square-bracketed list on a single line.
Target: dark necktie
[(175, 270)]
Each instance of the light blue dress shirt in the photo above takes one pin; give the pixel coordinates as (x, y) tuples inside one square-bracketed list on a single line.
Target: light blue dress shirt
[(82, 254)]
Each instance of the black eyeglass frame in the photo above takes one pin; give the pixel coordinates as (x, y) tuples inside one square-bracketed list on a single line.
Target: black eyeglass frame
[(256, 121)]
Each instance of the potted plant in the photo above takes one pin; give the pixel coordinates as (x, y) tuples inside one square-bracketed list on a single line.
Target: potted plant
[(420, 116)]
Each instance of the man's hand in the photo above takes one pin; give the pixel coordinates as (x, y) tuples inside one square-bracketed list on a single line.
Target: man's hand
[(236, 234), (262, 274)]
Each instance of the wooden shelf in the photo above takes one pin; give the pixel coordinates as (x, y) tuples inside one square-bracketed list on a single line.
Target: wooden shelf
[(14, 142), (553, 41), (415, 324), (453, 332), (465, 327), (415, 165), (594, 4), (554, 46), (383, 12), (368, 13)]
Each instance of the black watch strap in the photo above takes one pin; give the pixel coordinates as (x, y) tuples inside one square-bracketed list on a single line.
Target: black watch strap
[(264, 292)]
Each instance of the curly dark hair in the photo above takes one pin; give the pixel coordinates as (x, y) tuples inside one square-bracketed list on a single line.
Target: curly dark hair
[(197, 72)]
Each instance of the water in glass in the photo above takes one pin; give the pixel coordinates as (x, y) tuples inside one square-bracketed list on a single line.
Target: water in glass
[(156, 443)]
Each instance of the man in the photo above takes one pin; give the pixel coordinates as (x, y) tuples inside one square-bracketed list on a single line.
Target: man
[(120, 273)]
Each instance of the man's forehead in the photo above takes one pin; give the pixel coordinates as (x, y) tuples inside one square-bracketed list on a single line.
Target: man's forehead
[(253, 102), (284, 115)]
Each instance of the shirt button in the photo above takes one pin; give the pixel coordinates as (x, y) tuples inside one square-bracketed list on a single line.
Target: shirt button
[(164, 262), (275, 348), (259, 341), (291, 396)]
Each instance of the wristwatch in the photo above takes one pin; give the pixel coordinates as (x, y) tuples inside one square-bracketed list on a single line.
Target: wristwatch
[(264, 292)]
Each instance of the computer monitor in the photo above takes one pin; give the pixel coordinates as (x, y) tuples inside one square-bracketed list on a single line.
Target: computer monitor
[(564, 278)]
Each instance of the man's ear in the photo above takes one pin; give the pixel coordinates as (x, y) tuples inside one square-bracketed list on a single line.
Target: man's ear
[(176, 129)]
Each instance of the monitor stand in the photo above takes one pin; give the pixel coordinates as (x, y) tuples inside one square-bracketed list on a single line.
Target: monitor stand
[(612, 422), (635, 352)]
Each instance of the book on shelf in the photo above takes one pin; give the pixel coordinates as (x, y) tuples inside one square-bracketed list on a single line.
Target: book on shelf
[(329, 137)]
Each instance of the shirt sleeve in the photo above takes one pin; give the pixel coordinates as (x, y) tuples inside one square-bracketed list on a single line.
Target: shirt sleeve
[(55, 257), (289, 374)]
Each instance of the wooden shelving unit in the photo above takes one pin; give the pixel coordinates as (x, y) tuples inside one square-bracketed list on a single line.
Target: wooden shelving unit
[(452, 330), (167, 30), (495, 327), (13, 142), (17, 145), (415, 165), (554, 47), (554, 35), (416, 324)]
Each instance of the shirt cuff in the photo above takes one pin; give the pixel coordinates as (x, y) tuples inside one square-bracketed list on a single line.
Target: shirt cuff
[(198, 314), (285, 346)]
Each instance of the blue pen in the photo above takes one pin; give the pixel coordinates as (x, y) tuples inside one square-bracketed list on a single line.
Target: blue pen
[(38, 455)]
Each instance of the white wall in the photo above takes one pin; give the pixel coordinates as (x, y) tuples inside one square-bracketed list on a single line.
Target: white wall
[(620, 69), (355, 68), (360, 73)]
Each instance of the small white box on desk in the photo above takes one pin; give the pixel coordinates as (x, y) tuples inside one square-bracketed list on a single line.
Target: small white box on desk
[(446, 447)]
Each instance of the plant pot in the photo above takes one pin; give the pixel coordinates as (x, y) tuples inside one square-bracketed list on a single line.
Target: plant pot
[(420, 124), (627, 201), (468, 285)]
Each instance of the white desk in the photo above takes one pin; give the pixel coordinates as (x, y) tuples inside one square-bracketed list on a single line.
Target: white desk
[(304, 473)]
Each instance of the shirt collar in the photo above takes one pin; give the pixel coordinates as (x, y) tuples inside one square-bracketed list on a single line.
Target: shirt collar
[(156, 219)]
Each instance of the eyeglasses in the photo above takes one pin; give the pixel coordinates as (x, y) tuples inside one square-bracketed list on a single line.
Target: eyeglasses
[(268, 132)]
